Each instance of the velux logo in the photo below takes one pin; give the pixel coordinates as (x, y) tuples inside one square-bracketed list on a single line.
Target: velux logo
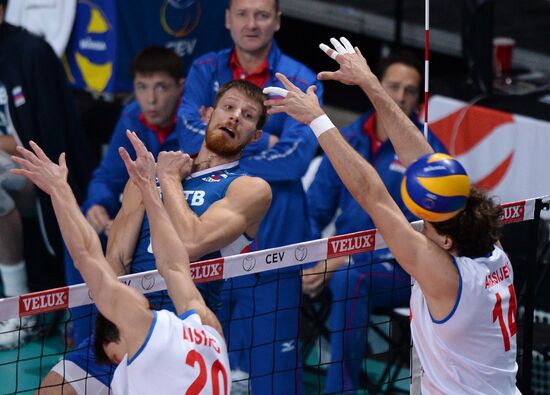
[(513, 212), (351, 244), (207, 270), (40, 302)]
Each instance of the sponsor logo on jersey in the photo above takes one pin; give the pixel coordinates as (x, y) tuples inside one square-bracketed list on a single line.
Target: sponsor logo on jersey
[(40, 302), (207, 270), (195, 198), (351, 244), (513, 212), (215, 177)]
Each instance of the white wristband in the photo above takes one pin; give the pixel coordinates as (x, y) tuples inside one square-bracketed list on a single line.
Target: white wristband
[(321, 124)]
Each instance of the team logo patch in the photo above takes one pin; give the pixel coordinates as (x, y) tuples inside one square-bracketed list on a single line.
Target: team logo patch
[(18, 96), (215, 177)]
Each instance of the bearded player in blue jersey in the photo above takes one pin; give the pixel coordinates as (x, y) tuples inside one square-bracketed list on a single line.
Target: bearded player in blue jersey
[(217, 212)]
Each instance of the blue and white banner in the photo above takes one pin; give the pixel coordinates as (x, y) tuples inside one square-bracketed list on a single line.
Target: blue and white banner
[(108, 34)]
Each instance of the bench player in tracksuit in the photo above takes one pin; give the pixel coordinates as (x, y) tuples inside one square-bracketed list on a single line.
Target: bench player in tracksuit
[(280, 157), (373, 280), (208, 227)]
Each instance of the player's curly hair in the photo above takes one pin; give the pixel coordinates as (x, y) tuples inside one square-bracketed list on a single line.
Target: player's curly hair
[(105, 332), (250, 90), (476, 229)]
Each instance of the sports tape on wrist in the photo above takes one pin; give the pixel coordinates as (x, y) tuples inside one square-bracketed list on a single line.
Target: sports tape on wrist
[(321, 124)]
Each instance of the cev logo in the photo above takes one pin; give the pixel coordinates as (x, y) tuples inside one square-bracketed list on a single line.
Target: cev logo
[(180, 17)]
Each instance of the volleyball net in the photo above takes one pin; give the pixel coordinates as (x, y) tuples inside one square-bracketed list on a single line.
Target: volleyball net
[(383, 362)]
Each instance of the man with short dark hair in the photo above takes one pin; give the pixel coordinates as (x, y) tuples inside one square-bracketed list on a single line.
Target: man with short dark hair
[(216, 213), (371, 280)]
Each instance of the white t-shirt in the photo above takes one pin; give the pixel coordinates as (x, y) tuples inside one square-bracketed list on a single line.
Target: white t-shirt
[(473, 350), (178, 353)]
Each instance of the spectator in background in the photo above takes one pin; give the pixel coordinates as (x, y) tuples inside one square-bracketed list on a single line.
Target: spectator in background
[(266, 304), (369, 280), (42, 109), (158, 84)]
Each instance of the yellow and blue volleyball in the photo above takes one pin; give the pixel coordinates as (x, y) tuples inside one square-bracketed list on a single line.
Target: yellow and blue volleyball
[(435, 187)]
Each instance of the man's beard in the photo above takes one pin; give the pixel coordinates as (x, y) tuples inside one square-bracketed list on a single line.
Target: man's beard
[(221, 145)]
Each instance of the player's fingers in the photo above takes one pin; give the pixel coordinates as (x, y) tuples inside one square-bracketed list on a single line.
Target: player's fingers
[(21, 172), (273, 102), (286, 82), (62, 161), (275, 91), (28, 155), (311, 89), (139, 147), (327, 75), (347, 45), (328, 50), (125, 158), (337, 46), (275, 110), (38, 151)]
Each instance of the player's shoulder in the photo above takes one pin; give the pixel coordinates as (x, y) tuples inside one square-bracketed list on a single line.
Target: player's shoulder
[(253, 187)]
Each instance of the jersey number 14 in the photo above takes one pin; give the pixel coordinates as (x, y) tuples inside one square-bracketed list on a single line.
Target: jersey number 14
[(498, 315)]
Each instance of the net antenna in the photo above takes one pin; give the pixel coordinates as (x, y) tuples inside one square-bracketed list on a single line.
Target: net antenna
[(426, 65)]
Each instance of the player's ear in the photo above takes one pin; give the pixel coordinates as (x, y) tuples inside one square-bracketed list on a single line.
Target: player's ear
[(208, 114), (256, 136)]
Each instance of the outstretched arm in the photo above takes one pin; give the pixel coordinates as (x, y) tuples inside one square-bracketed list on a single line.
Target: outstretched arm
[(354, 70), (122, 305), (170, 253), (415, 252)]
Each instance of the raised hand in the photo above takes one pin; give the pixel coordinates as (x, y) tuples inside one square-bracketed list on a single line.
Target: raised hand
[(354, 69), (303, 107), (38, 168), (174, 165), (142, 171)]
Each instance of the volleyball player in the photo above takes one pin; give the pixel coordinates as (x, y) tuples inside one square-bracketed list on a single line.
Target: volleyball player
[(462, 319), (156, 351)]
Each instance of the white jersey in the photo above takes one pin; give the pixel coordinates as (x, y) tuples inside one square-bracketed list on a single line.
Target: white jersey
[(180, 355), (473, 350)]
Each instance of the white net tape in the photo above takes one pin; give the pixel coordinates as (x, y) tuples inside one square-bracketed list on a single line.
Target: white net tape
[(232, 266)]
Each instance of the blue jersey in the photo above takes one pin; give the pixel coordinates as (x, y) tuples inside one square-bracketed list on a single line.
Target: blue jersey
[(282, 165), (201, 189)]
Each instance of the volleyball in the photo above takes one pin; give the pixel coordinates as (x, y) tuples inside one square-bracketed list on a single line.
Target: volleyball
[(435, 187)]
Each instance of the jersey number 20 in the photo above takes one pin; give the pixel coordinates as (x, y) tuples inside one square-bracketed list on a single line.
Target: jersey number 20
[(193, 358), (497, 314)]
